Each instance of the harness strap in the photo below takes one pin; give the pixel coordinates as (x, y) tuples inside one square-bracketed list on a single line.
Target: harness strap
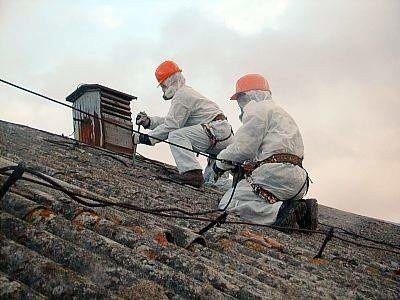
[(261, 192), (276, 158), (283, 158), (212, 137)]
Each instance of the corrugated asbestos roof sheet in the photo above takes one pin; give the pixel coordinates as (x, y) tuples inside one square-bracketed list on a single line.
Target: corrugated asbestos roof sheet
[(52, 246)]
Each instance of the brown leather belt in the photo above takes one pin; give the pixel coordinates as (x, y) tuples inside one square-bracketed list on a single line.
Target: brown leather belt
[(276, 158), (283, 158), (219, 117)]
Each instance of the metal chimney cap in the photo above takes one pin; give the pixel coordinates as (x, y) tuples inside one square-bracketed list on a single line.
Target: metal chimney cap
[(83, 88)]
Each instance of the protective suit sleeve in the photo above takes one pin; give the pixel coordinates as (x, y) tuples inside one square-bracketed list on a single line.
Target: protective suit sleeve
[(156, 121), (248, 138), (177, 116)]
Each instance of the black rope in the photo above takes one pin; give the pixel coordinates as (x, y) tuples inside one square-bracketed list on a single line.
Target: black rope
[(101, 203), (115, 158), (236, 164), (160, 212), (107, 121), (221, 218), (231, 197), (277, 227), (217, 222), (155, 211), (345, 231), (364, 245), (328, 237), (15, 175)]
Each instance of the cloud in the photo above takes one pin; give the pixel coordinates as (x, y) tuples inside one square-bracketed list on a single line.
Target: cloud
[(247, 17), (107, 16), (333, 65)]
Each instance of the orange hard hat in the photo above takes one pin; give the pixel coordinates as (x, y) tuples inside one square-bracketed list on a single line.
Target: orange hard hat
[(250, 82), (166, 69)]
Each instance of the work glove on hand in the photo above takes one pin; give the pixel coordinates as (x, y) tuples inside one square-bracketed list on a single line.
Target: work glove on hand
[(143, 119), (141, 138), (217, 171)]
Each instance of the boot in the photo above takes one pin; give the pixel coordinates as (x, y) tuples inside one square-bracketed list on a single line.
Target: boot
[(290, 213), (310, 220), (192, 177)]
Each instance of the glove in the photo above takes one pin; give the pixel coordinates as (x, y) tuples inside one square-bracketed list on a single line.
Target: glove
[(141, 138), (143, 119), (217, 171)]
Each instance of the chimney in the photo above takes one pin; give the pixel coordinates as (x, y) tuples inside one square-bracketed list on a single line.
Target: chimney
[(108, 104)]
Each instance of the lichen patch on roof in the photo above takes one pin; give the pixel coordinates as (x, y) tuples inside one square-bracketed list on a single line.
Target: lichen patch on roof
[(52, 246)]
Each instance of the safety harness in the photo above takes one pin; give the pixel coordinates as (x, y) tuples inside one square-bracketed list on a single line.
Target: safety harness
[(211, 136), (249, 167)]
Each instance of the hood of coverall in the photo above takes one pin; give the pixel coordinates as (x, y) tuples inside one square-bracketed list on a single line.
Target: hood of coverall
[(171, 85), (254, 95)]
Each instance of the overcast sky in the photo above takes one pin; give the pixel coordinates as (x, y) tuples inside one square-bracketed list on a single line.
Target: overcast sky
[(333, 65)]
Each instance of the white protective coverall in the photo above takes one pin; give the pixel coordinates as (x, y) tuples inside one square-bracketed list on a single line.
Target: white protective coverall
[(182, 125), (267, 129)]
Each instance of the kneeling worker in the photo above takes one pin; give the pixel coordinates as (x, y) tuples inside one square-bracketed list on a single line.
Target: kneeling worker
[(193, 121), (270, 139)]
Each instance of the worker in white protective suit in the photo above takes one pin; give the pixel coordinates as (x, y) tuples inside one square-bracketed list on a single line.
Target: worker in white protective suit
[(193, 121), (271, 147)]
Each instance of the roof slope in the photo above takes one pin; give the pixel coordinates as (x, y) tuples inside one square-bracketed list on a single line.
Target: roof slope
[(52, 246)]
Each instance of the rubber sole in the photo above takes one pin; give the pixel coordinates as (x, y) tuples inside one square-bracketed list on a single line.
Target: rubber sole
[(290, 214), (310, 219)]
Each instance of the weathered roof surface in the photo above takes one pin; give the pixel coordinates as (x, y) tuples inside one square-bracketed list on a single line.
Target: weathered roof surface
[(52, 246)]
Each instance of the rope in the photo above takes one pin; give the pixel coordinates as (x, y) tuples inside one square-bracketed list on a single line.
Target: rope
[(110, 122), (140, 209), (101, 203), (156, 211), (328, 237), (189, 215), (345, 231), (217, 222), (17, 173), (365, 246), (221, 218)]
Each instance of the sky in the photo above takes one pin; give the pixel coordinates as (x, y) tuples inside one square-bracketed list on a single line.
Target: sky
[(333, 65)]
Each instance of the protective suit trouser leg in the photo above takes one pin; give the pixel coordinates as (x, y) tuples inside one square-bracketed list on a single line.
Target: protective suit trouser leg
[(192, 137), (249, 206)]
